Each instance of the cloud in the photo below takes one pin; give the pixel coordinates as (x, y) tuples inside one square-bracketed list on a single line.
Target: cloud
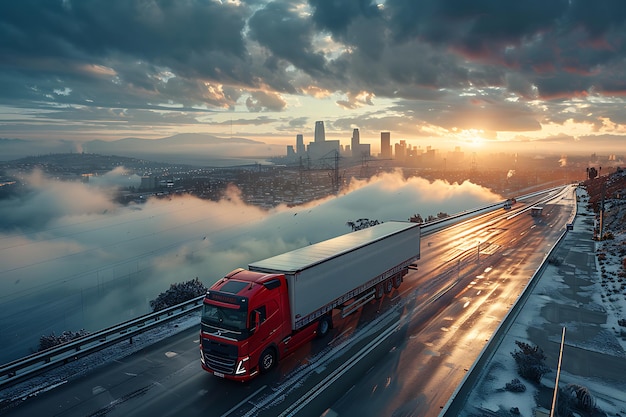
[(262, 101), (49, 200), (197, 42), (283, 31), (101, 263), (68, 72)]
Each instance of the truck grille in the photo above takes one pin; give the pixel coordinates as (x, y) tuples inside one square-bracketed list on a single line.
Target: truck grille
[(219, 357)]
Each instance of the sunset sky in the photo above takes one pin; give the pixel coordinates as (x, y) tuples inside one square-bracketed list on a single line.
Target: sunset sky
[(549, 74)]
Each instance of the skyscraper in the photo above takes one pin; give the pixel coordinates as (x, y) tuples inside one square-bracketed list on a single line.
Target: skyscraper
[(385, 145), (355, 142), (359, 150), (300, 145), (320, 136)]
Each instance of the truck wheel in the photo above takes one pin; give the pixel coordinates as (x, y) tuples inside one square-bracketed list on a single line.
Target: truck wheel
[(324, 326), (388, 285), (380, 291), (267, 360), (397, 280)]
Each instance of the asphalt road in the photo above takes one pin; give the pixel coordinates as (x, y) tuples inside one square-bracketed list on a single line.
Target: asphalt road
[(403, 355), (432, 354)]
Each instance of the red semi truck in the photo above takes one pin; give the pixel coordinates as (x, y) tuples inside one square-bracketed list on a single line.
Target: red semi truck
[(252, 318)]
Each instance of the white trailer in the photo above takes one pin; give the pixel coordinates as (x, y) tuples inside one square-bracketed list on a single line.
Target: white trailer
[(357, 266)]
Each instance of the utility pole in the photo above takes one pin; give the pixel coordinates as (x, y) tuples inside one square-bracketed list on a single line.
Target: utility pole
[(602, 211), (337, 176), (558, 374)]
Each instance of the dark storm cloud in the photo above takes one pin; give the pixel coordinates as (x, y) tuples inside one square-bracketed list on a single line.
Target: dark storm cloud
[(336, 16), (279, 28), (558, 46), (358, 23), (472, 26), (205, 40), (597, 18), (157, 31), (147, 55), (119, 49)]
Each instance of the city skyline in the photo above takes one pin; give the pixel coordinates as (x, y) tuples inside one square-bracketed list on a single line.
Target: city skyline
[(531, 75)]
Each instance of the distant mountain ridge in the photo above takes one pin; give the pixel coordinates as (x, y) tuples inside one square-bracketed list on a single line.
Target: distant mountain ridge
[(179, 139), (177, 148)]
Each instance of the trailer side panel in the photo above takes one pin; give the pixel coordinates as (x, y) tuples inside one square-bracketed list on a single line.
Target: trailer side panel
[(326, 274)]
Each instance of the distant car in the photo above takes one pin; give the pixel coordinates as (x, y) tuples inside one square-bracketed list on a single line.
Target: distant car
[(509, 203)]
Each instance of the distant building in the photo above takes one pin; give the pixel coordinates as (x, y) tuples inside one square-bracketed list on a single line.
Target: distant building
[(456, 157), (385, 145), (320, 150), (148, 183), (290, 152), (320, 135), (359, 150), (362, 151), (300, 149), (429, 157), (355, 142), (400, 150)]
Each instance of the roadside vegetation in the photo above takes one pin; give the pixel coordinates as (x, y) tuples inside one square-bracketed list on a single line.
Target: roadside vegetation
[(178, 293)]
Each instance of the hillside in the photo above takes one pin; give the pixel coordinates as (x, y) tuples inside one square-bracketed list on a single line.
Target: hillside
[(610, 231)]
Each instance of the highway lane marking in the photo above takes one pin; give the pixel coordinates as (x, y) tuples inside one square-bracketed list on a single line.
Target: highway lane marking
[(245, 400), (337, 373), (328, 355), (97, 390)]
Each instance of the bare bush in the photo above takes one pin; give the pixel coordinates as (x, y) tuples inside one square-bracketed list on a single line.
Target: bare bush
[(581, 397), (178, 293), (530, 361), (515, 386), (52, 340)]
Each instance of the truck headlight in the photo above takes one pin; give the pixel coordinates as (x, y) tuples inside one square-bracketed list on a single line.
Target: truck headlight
[(242, 366)]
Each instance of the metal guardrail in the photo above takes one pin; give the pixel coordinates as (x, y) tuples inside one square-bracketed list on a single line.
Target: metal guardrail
[(459, 398), (21, 369)]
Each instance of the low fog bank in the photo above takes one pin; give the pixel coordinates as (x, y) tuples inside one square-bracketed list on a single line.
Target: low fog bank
[(73, 259)]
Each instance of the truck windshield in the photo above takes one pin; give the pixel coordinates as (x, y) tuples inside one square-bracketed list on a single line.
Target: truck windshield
[(224, 318)]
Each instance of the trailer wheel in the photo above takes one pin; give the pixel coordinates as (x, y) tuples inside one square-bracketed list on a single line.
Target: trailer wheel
[(397, 280), (267, 360), (388, 285), (324, 326), (380, 291)]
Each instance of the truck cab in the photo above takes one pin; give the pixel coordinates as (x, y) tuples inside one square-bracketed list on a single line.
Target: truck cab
[(245, 324)]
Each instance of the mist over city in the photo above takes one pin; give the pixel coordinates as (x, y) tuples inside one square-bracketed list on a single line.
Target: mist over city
[(102, 262)]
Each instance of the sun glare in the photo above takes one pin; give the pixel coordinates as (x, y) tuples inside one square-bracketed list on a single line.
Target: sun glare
[(477, 141), (473, 137)]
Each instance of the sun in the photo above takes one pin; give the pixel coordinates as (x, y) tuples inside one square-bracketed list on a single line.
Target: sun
[(472, 137), (477, 141)]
